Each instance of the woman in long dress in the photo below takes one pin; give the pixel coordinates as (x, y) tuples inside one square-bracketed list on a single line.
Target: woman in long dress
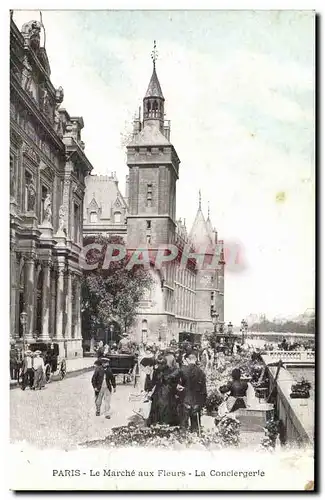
[(38, 366), (164, 402)]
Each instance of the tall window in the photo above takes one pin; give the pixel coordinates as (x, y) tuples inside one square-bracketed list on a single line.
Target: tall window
[(93, 217), (28, 181), (13, 174), (149, 195), (144, 331), (76, 222), (44, 195), (148, 224)]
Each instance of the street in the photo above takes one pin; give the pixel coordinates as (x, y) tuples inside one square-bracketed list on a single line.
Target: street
[(62, 415)]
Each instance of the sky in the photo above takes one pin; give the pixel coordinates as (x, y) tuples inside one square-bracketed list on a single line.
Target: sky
[(239, 91)]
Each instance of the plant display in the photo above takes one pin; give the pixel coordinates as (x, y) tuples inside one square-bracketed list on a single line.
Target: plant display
[(271, 430), (164, 436), (213, 401), (229, 429), (301, 389)]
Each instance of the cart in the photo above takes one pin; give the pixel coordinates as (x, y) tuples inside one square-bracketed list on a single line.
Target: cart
[(126, 365), (54, 365)]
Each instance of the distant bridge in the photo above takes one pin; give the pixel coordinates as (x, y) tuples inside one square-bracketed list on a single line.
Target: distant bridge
[(294, 357)]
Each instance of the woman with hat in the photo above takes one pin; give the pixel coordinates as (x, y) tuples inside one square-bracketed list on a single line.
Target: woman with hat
[(38, 366)]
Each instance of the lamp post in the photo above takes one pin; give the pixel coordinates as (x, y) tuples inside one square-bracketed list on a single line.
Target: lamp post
[(111, 329), (23, 321), (243, 329)]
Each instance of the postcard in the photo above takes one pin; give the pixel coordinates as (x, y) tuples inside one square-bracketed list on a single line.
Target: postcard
[(162, 250)]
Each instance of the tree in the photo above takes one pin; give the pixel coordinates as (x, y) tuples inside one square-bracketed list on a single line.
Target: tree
[(112, 294)]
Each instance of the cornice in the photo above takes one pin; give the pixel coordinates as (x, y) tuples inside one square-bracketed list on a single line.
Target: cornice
[(32, 108), (25, 138)]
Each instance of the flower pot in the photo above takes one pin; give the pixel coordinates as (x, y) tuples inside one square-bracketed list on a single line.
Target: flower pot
[(300, 395)]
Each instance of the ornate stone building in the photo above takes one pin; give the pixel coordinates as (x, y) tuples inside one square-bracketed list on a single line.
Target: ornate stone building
[(48, 167), (183, 299)]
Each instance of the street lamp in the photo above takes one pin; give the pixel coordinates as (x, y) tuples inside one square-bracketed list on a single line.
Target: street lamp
[(111, 329), (23, 321), (244, 328)]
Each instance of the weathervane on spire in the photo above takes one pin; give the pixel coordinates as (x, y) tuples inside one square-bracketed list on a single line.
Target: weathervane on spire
[(154, 54), (199, 199), (208, 210)]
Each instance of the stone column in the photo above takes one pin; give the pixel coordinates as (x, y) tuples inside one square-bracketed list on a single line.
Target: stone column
[(30, 298), (46, 297), (13, 295), (78, 309), (59, 303), (69, 306)]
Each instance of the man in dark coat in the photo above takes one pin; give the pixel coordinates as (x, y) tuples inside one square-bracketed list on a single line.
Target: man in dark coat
[(193, 392), (103, 382)]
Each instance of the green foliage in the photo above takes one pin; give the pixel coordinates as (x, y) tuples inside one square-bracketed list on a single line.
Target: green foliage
[(112, 294)]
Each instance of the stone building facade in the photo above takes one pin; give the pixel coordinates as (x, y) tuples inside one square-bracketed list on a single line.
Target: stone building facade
[(48, 168), (182, 299)]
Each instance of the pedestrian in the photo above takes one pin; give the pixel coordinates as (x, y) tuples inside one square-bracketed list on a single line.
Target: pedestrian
[(100, 349), (193, 393), (14, 375), (39, 375), (28, 372), (163, 397), (103, 382)]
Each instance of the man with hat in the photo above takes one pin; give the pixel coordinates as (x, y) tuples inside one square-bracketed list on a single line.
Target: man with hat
[(28, 372), (103, 382)]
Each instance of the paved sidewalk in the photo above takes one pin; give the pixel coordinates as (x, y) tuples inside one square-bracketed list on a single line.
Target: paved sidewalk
[(74, 367)]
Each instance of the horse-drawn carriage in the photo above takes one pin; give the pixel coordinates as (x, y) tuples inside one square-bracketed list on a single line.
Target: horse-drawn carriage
[(54, 365), (126, 365)]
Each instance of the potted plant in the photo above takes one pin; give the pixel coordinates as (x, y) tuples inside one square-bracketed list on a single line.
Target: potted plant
[(300, 390), (213, 401)]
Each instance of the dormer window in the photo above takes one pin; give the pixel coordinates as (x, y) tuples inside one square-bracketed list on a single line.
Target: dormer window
[(117, 217), (93, 217)]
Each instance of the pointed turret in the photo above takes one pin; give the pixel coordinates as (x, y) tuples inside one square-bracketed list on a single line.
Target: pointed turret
[(209, 224), (200, 235)]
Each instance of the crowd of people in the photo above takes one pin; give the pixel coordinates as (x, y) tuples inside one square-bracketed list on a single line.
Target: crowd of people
[(27, 368)]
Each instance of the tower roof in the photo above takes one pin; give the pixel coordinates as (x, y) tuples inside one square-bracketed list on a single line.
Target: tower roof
[(200, 235), (154, 88)]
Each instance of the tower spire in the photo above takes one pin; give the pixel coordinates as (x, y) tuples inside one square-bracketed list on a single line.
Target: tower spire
[(208, 210), (199, 199), (154, 54)]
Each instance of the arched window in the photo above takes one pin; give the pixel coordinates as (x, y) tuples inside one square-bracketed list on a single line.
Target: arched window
[(117, 217), (148, 106), (93, 217)]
